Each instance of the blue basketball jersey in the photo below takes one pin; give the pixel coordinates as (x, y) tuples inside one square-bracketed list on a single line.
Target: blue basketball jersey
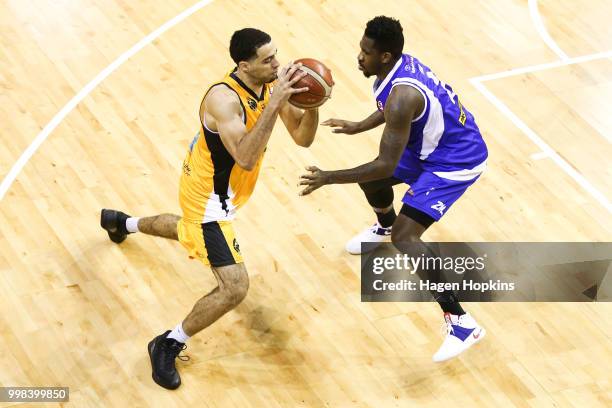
[(444, 138)]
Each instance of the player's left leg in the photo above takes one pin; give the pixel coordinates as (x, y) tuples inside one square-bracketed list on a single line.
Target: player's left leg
[(425, 203), (379, 194), (119, 224)]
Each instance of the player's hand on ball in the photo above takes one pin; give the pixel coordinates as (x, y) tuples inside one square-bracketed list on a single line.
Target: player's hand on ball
[(314, 179), (319, 82), (283, 89), (342, 126)]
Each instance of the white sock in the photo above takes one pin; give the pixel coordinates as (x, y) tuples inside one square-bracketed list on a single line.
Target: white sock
[(131, 224), (178, 334)]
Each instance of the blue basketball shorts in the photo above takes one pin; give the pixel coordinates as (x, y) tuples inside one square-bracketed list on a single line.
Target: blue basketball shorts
[(432, 194)]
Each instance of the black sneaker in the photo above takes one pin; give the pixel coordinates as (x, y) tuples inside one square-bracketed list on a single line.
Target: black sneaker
[(163, 351), (114, 223)]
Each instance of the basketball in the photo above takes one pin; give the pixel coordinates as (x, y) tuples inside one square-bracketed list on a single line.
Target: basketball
[(319, 82)]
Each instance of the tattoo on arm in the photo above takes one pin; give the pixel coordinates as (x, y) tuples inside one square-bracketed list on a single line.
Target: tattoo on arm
[(402, 106)]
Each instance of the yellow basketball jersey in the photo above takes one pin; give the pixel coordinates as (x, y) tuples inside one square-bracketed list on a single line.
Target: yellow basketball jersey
[(212, 185)]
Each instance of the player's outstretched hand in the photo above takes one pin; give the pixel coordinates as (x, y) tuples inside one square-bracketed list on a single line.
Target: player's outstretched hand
[(283, 88), (314, 179), (342, 126)]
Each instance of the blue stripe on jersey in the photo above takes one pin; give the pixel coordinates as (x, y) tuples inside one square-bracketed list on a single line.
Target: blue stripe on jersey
[(444, 138), (194, 141)]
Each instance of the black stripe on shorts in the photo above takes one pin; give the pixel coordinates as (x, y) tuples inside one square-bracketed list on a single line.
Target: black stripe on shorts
[(219, 253), (417, 215)]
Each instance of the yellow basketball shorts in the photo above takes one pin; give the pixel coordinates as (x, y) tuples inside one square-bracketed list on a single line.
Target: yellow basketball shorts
[(213, 243)]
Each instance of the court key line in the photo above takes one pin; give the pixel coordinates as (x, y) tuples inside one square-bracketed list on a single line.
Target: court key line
[(59, 117), (542, 67), (546, 150)]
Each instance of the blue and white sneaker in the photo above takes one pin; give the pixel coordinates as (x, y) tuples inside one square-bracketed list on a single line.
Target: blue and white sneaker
[(462, 332), (375, 233)]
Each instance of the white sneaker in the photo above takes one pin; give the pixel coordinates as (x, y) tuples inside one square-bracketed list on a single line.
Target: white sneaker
[(375, 233), (462, 332)]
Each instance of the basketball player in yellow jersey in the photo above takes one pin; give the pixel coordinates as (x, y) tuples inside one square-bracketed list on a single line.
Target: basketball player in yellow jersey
[(237, 116)]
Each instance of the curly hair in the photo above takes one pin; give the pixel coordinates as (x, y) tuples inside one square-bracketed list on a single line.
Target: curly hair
[(387, 35)]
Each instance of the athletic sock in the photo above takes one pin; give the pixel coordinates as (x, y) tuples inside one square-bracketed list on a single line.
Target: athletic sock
[(131, 224), (449, 303), (452, 308), (178, 334), (387, 219)]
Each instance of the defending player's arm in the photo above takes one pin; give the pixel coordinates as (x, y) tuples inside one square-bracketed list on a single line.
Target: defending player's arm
[(301, 124), (402, 106), (224, 106), (350, 128)]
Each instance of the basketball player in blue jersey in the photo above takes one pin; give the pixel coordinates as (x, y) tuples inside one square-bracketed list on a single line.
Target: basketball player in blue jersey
[(430, 142)]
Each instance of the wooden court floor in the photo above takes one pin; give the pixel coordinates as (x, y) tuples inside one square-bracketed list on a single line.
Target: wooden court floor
[(95, 129)]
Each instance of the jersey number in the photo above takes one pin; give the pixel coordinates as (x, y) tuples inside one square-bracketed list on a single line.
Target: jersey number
[(446, 87), (451, 95)]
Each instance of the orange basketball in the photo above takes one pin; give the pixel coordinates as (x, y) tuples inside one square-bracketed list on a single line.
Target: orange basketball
[(319, 82)]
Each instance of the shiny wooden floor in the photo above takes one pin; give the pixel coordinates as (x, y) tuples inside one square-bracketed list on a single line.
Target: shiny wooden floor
[(78, 310)]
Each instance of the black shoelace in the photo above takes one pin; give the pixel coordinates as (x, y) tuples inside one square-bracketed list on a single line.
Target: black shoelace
[(172, 351), (183, 357)]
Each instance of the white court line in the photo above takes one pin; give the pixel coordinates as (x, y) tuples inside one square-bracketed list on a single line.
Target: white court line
[(541, 28), (57, 119), (539, 156), (546, 149), (542, 67)]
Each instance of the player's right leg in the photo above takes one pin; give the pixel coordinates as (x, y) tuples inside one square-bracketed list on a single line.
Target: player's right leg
[(426, 202), (233, 284), (119, 225), (214, 244), (379, 194)]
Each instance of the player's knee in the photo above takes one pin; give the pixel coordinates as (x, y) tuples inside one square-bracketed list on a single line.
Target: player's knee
[(399, 236), (369, 187), (236, 289)]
